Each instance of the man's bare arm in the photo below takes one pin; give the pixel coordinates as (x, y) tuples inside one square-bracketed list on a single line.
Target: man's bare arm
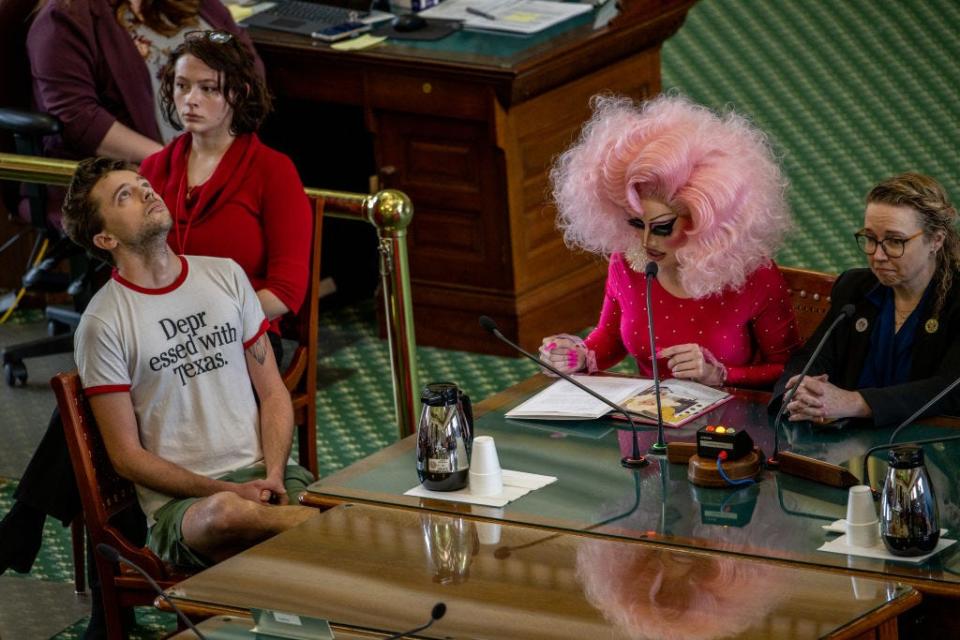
[(118, 426), (276, 411)]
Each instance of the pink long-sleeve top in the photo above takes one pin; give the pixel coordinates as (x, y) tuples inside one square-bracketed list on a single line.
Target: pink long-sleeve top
[(752, 331)]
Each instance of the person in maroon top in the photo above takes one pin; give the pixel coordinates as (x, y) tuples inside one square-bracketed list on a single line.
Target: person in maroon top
[(231, 196), (701, 195), (92, 60)]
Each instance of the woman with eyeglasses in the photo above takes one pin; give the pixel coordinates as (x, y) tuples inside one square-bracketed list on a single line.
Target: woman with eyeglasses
[(96, 66), (701, 195), (230, 195), (900, 347)]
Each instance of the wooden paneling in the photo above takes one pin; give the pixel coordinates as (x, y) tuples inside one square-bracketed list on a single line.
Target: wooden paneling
[(470, 137)]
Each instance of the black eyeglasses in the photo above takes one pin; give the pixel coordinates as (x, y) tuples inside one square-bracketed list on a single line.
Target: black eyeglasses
[(662, 229), (892, 247), (216, 37)]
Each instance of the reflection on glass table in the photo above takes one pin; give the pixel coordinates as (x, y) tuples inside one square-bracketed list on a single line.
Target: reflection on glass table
[(781, 517), (376, 569)]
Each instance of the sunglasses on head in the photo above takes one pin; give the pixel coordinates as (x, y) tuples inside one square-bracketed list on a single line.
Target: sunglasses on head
[(662, 229), (216, 37)]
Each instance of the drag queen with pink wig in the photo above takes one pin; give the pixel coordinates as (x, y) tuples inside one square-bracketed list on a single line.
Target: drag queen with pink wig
[(702, 195)]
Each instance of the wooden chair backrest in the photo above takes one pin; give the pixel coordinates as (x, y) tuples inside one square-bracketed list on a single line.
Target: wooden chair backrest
[(300, 376), (103, 492), (810, 295)]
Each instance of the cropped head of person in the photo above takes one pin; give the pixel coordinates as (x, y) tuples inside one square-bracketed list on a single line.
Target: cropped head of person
[(909, 235), (673, 182), (211, 83), (109, 205)]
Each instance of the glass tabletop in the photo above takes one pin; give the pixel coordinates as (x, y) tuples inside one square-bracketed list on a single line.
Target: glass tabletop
[(781, 516), (370, 568)]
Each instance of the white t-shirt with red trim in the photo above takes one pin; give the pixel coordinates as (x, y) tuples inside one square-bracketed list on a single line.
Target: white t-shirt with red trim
[(179, 352)]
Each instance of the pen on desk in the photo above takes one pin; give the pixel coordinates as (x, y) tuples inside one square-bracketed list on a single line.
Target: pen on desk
[(482, 14)]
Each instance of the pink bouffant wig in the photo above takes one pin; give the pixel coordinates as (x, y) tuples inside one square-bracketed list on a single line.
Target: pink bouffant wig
[(717, 169)]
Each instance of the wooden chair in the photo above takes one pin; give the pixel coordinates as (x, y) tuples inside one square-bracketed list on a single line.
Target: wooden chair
[(810, 294), (300, 376), (104, 495)]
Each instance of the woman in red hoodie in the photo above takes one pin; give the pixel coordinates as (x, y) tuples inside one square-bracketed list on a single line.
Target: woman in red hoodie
[(230, 195)]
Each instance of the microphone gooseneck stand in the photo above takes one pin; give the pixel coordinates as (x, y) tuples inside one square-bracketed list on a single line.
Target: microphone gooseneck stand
[(114, 556), (439, 610), (916, 414), (773, 461), (632, 461), (660, 446)]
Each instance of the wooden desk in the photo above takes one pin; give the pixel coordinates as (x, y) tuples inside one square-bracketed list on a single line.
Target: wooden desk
[(382, 570), (778, 519), (467, 127)]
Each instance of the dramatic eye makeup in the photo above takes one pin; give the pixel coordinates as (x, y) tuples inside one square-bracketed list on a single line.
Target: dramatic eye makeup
[(662, 229)]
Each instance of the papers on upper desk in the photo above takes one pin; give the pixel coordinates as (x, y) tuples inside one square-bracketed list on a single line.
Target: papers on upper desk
[(515, 16), (680, 400)]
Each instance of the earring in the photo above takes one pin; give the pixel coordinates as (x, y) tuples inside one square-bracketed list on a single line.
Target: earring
[(636, 258)]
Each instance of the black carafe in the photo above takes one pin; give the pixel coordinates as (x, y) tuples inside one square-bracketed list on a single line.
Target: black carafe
[(444, 436), (909, 519)]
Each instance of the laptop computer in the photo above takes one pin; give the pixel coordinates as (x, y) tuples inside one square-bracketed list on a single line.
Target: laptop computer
[(309, 18)]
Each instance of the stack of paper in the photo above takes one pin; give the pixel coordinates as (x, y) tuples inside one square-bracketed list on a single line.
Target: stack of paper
[(514, 16)]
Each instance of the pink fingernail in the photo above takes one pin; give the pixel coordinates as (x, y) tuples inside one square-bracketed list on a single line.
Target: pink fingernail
[(551, 346), (572, 358)]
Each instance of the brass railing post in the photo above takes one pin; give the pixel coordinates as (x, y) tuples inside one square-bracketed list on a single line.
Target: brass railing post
[(389, 211)]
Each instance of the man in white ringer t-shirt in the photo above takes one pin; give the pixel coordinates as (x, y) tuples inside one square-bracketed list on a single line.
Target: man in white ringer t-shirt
[(173, 356)]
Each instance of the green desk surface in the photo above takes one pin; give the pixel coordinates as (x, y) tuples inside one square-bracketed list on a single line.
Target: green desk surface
[(780, 517)]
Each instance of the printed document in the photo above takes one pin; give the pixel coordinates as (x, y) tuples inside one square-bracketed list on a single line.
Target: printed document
[(563, 401), (514, 16)]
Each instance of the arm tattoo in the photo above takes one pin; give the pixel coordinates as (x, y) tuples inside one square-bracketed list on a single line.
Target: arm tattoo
[(259, 349)]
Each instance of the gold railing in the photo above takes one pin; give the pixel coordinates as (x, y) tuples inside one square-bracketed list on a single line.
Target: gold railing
[(389, 211)]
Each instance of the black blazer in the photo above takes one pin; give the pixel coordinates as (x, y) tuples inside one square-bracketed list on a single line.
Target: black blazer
[(936, 352)]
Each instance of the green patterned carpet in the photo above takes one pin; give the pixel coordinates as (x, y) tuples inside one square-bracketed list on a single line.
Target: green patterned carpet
[(850, 92)]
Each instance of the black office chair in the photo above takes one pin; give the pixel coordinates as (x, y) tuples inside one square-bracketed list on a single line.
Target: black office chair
[(42, 273), (22, 131)]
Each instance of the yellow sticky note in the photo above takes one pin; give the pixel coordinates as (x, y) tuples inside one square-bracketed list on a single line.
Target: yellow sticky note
[(239, 13), (360, 42), (522, 16)]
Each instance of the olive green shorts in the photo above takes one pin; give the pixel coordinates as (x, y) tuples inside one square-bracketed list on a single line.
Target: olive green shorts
[(165, 537)]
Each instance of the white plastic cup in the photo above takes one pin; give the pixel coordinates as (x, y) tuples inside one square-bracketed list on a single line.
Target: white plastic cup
[(860, 506), (863, 527), (486, 476)]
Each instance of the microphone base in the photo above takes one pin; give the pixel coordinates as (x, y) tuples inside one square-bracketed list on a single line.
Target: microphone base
[(634, 463), (658, 449), (703, 471)]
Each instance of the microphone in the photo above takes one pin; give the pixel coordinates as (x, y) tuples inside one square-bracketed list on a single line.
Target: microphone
[(114, 556), (439, 610), (916, 414), (634, 459), (846, 311), (660, 446)]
